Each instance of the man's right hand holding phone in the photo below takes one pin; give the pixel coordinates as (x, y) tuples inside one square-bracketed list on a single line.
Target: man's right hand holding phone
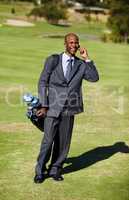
[(83, 53)]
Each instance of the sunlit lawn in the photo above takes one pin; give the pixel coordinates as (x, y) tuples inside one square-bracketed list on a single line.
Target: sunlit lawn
[(97, 168)]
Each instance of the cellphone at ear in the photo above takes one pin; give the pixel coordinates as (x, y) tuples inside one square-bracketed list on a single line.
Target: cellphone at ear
[(81, 50)]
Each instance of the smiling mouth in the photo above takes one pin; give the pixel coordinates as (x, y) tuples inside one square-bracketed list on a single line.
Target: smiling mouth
[(73, 49)]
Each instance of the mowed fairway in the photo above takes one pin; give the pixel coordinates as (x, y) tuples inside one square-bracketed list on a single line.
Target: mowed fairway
[(97, 167)]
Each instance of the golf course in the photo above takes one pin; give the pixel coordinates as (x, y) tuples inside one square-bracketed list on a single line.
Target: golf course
[(97, 167)]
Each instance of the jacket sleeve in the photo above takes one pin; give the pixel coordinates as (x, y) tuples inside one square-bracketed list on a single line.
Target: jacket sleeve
[(44, 81), (91, 73)]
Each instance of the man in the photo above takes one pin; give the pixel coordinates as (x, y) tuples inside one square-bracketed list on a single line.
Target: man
[(61, 96)]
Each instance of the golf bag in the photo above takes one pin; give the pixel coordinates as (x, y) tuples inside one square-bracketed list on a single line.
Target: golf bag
[(33, 105)]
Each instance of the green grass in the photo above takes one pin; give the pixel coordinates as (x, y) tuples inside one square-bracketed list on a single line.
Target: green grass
[(21, 8), (100, 170)]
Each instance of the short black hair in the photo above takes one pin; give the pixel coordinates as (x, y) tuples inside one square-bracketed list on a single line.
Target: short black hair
[(71, 34)]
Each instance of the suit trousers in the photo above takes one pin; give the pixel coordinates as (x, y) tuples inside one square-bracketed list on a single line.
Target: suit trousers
[(55, 143)]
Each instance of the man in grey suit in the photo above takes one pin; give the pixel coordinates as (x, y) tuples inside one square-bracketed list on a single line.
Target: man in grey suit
[(60, 93)]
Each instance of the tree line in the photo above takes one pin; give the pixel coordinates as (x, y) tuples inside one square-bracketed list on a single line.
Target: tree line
[(118, 21)]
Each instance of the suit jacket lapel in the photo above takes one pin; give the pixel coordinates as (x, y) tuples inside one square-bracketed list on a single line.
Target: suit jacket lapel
[(77, 63)]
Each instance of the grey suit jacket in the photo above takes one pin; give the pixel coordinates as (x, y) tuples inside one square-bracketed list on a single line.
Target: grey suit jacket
[(59, 95)]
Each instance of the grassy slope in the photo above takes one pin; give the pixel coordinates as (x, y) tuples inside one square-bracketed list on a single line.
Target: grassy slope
[(103, 171)]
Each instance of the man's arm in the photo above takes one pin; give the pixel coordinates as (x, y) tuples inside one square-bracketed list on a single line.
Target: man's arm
[(91, 73)]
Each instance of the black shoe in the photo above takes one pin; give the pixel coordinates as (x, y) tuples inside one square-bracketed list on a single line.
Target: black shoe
[(57, 177), (39, 178)]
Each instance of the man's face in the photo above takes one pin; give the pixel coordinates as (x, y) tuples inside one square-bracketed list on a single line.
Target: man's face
[(71, 45)]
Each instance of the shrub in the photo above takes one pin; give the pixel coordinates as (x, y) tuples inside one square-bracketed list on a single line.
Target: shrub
[(37, 12), (118, 20), (51, 12)]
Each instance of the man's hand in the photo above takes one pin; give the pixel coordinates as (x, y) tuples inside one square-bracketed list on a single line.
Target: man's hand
[(83, 53), (41, 112)]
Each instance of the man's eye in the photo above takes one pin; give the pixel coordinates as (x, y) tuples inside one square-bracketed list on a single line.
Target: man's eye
[(72, 43)]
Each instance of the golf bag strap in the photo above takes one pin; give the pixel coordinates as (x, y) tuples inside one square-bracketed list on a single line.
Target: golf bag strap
[(55, 60), (54, 64)]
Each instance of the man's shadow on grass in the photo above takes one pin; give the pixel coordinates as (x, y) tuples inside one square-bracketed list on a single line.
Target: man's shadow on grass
[(95, 155)]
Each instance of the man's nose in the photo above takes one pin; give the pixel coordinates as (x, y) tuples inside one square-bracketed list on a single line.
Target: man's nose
[(74, 45)]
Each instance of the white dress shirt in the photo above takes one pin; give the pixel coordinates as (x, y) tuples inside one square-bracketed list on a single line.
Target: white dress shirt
[(65, 61)]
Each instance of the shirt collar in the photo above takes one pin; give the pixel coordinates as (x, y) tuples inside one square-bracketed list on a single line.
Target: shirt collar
[(67, 57)]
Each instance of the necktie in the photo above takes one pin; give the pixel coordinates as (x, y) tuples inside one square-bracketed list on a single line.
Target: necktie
[(69, 68)]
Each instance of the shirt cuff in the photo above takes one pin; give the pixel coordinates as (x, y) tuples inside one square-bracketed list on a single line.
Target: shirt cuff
[(88, 60)]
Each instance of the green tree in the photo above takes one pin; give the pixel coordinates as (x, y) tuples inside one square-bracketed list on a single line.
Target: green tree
[(50, 1), (51, 11), (54, 12), (118, 21)]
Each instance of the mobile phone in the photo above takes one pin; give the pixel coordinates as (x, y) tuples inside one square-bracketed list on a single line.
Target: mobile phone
[(81, 50)]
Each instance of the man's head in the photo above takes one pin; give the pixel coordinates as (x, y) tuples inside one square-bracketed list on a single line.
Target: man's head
[(71, 44)]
